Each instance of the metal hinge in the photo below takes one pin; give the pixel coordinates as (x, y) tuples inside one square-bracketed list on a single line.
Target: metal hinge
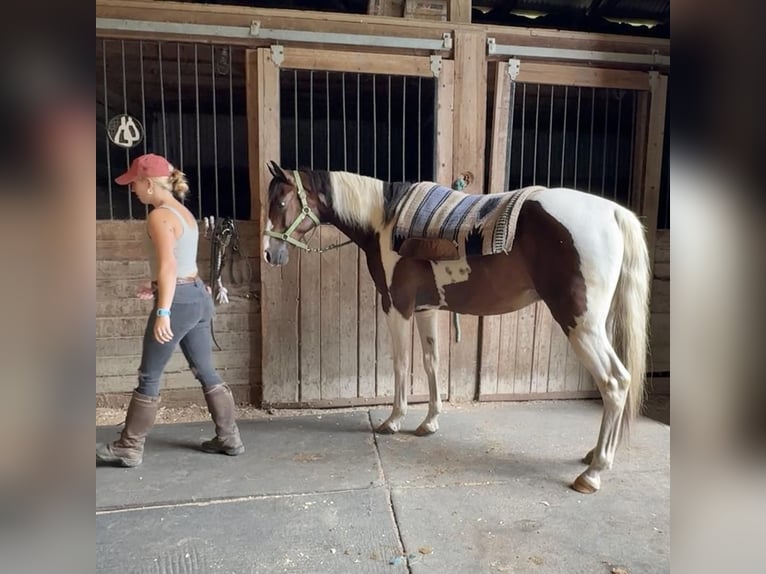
[(277, 55), (514, 65), (436, 65), (447, 40), (255, 28), (491, 45)]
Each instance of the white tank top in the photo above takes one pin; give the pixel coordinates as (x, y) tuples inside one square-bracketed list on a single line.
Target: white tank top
[(185, 250)]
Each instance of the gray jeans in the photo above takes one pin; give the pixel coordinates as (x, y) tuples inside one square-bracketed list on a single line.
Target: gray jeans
[(190, 315)]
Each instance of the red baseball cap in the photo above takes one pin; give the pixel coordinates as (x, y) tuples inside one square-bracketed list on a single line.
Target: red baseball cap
[(149, 165)]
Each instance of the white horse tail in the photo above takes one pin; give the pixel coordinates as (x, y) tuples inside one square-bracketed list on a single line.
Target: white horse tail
[(630, 311)]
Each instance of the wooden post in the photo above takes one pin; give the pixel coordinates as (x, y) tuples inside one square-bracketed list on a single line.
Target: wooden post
[(279, 287), (460, 11), (468, 142), (654, 145)]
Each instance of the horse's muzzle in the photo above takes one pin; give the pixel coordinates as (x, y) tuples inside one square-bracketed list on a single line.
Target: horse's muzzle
[(276, 255)]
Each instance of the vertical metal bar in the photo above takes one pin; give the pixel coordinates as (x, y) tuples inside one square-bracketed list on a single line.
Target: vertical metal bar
[(162, 102), (327, 95), (231, 134), (606, 135), (509, 146), (523, 129), (199, 155), (564, 134), (577, 136), (420, 108), (295, 116), (143, 103), (404, 123), (311, 115), (592, 118), (106, 130), (537, 129), (180, 109), (125, 111), (388, 134), (550, 139), (345, 142), (632, 149), (215, 129), (374, 127), (617, 156)]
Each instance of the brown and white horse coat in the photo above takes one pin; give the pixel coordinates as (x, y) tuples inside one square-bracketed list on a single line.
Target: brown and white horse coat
[(583, 255)]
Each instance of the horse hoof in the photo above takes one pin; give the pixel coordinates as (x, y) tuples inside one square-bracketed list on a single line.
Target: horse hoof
[(584, 485), (425, 430), (386, 428), (588, 458)]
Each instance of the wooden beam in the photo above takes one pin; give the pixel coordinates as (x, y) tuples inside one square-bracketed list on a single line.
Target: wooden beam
[(460, 11), (469, 124), (303, 59), (581, 76), (499, 143), (654, 149), (279, 287), (639, 151)]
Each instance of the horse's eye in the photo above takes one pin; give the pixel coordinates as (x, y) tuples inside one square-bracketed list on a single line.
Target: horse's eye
[(282, 204)]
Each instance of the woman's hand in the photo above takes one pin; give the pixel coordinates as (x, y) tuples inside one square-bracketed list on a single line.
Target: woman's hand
[(162, 331), (145, 292)]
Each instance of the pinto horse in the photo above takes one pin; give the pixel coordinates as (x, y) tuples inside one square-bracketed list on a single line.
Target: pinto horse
[(584, 256)]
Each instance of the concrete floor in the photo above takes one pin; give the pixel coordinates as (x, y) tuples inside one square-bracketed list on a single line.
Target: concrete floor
[(321, 493)]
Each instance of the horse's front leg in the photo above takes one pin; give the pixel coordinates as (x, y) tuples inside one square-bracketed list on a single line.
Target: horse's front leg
[(400, 329), (427, 328)]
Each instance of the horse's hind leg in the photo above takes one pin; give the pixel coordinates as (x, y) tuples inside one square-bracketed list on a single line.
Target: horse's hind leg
[(399, 328), (594, 350), (427, 328)]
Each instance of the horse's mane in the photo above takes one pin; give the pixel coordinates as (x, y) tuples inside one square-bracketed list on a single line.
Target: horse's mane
[(357, 200)]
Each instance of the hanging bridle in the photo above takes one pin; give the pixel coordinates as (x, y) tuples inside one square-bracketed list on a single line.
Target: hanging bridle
[(305, 212)]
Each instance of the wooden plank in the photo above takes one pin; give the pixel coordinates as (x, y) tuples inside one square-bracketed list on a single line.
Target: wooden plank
[(654, 146), (329, 309), (384, 367), (532, 72), (659, 343), (107, 327), (491, 356), (507, 352), (418, 379), (176, 380), (310, 304), (366, 340), (279, 294), (525, 339), (356, 62), (131, 346), (243, 393), (662, 246), (541, 354), (355, 402), (572, 370), (348, 293), (459, 11), (557, 365), (639, 151), (552, 396), (115, 366), (660, 296), (468, 156)]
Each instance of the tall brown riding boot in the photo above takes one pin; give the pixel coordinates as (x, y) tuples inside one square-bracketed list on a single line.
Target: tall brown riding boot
[(220, 403), (128, 450)]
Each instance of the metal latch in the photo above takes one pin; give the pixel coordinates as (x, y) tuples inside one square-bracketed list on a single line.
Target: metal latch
[(436, 65), (514, 65), (255, 28), (491, 46), (447, 40), (277, 55)]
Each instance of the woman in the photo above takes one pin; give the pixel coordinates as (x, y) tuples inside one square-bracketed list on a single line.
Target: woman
[(182, 313)]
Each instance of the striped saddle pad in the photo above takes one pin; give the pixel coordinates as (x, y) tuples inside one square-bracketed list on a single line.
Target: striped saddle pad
[(474, 224)]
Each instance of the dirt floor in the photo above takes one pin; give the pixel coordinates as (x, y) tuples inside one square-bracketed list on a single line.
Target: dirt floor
[(656, 407)]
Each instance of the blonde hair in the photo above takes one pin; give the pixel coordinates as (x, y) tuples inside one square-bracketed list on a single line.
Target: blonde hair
[(175, 183)]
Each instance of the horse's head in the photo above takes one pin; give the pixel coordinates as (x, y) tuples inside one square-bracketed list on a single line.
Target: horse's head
[(292, 211)]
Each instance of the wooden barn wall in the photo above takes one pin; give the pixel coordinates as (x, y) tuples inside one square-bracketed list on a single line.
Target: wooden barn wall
[(121, 267)]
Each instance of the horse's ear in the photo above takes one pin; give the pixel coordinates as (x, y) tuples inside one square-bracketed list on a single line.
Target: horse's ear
[(276, 171)]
